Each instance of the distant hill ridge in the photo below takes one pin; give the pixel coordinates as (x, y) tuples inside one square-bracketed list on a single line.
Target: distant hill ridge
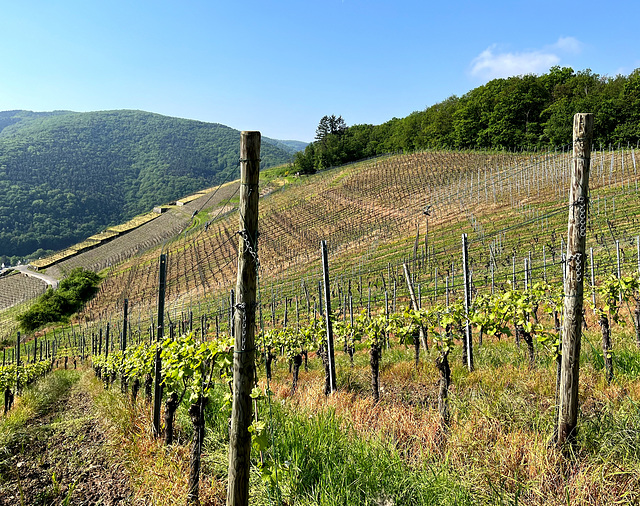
[(65, 176)]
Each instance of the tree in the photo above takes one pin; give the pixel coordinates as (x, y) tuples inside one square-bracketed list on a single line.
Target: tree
[(330, 125)]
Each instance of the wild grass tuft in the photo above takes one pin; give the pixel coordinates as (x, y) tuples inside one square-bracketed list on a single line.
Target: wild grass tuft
[(34, 401)]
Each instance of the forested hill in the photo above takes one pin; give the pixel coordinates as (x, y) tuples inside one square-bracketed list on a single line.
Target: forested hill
[(521, 112), (65, 176)]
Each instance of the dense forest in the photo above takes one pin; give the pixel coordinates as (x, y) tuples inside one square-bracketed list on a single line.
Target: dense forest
[(65, 176), (523, 112)]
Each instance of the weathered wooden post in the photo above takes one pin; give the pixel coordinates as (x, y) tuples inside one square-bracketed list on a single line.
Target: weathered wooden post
[(244, 324), (18, 363), (232, 309), (593, 281), (124, 381), (125, 313), (157, 387), (467, 301), (333, 385), (574, 283), (422, 337)]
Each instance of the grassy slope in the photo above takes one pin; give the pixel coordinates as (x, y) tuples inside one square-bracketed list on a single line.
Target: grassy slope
[(346, 450), (370, 213)]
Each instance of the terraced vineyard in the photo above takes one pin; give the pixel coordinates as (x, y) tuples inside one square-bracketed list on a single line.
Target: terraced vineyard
[(512, 206), (379, 216), (372, 215), (16, 288)]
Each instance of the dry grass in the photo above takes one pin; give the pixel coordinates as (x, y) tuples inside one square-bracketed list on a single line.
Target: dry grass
[(157, 474), (499, 442)]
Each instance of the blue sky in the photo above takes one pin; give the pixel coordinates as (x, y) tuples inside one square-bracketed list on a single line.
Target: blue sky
[(279, 66)]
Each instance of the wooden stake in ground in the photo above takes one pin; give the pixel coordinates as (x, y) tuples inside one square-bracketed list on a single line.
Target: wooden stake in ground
[(244, 324), (157, 392), (422, 337), (330, 386), (467, 302), (574, 282)]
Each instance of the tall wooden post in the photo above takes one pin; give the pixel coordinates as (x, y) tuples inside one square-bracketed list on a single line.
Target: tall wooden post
[(333, 385), (416, 307), (106, 353), (232, 314), (467, 301), (157, 387), (18, 363), (593, 280), (125, 325), (245, 320), (575, 272)]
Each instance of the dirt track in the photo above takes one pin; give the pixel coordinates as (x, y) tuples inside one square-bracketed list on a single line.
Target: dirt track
[(61, 457)]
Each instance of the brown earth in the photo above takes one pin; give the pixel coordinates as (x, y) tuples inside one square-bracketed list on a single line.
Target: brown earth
[(63, 457)]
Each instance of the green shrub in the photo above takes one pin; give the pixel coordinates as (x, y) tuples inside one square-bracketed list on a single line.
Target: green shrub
[(58, 305)]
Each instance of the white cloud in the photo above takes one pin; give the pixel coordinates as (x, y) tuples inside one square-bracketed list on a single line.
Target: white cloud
[(568, 45), (493, 63)]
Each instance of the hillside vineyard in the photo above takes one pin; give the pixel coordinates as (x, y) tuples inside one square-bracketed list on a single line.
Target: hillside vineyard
[(446, 372)]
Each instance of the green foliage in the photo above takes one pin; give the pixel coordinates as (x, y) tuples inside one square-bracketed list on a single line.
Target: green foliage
[(330, 125), (25, 374), (402, 326), (374, 329), (513, 113), (66, 176), (490, 314), (189, 366), (138, 361), (290, 341), (58, 305), (613, 290)]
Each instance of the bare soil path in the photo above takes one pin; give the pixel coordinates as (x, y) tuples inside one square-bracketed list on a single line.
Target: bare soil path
[(49, 280), (62, 456)]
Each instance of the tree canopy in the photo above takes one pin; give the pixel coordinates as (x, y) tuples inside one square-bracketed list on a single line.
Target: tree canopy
[(523, 112), (57, 305), (65, 176), (330, 125)]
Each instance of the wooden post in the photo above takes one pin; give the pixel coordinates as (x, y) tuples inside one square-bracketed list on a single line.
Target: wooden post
[(435, 285), (467, 301), (125, 324), (157, 387), (244, 323), (394, 296), (327, 300), (574, 284), (593, 281), (414, 304), (18, 363), (106, 347), (492, 279), (386, 315), (232, 308), (446, 289)]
